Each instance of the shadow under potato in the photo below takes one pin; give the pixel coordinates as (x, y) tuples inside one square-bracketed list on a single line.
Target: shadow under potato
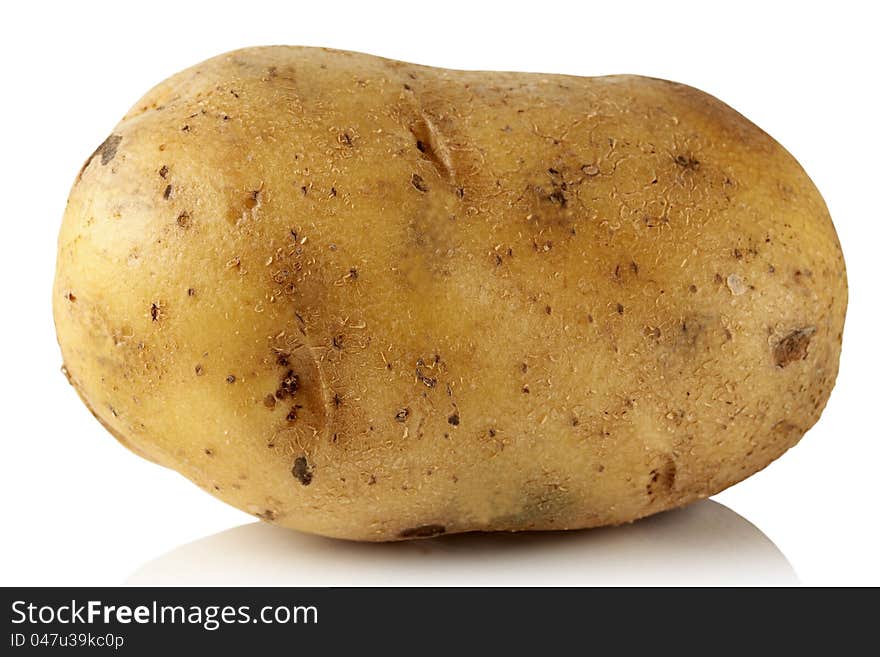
[(704, 544)]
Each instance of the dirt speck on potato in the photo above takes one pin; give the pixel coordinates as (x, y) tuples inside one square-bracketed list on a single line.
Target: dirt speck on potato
[(302, 471), (108, 148), (687, 161), (793, 346), (107, 151), (419, 183), (288, 386)]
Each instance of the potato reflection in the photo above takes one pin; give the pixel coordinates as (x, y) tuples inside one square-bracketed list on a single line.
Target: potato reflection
[(704, 544)]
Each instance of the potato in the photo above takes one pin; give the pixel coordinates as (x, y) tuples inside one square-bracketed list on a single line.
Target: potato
[(374, 300)]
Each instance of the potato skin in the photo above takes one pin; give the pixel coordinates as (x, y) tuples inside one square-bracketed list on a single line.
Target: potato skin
[(378, 301)]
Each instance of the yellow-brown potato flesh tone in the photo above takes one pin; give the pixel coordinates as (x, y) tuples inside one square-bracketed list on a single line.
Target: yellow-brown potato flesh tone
[(375, 300)]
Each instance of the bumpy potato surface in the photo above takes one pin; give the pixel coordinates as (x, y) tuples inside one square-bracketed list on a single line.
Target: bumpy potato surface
[(374, 300)]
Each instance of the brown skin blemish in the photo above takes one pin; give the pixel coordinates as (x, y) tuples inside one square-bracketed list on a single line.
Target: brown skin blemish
[(107, 151), (793, 347), (167, 193), (418, 182), (163, 171), (454, 419), (402, 414), (230, 378), (190, 292), (558, 193), (269, 401), (662, 479), (337, 399), (557, 196), (253, 200), (71, 297), (293, 413), (337, 342), (155, 312), (423, 531), (620, 309), (199, 370), (687, 162), (283, 359), (288, 386), (209, 451), (429, 382), (183, 220), (654, 222), (268, 515), (302, 471)]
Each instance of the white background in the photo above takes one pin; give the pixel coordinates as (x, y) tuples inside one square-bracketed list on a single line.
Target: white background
[(77, 508)]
